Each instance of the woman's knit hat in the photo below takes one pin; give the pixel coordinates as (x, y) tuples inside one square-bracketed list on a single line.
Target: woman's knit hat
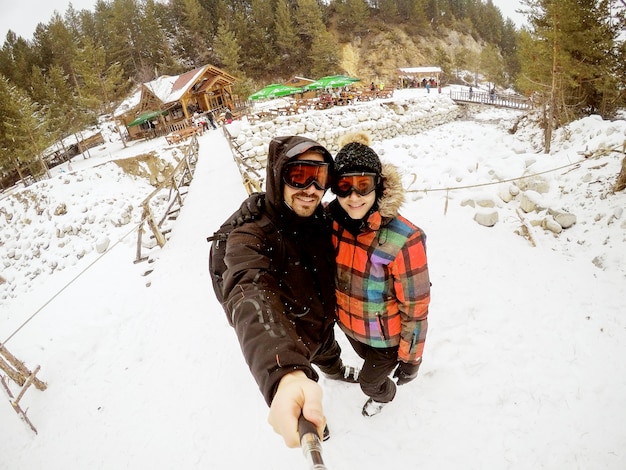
[(356, 155)]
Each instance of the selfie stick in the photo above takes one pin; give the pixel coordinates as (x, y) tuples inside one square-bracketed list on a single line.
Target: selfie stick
[(311, 444)]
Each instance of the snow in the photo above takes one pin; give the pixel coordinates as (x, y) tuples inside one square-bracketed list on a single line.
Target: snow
[(523, 365)]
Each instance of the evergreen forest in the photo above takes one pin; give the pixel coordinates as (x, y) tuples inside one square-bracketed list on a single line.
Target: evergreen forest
[(570, 57)]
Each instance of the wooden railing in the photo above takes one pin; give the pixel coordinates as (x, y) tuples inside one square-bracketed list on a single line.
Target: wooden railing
[(175, 183), (179, 125), (252, 179), (18, 373), (495, 99)]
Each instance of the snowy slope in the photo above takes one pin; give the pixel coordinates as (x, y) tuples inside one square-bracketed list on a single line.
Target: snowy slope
[(522, 365)]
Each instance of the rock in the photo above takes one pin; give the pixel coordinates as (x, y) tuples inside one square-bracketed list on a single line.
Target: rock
[(102, 244), (527, 204), (564, 219), (534, 183), (550, 224), (530, 201), (505, 194), (245, 146), (485, 202), (61, 209), (486, 218)]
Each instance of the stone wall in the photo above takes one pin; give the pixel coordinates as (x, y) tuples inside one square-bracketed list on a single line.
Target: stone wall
[(381, 119)]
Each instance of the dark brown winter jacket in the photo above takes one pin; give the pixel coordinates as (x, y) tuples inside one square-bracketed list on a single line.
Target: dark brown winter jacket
[(279, 283)]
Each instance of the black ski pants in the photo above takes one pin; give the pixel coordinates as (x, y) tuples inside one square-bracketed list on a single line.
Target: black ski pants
[(374, 377)]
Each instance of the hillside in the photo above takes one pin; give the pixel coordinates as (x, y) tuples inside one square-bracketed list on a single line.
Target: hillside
[(378, 55)]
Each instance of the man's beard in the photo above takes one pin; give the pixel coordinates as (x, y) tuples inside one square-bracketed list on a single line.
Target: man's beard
[(296, 204)]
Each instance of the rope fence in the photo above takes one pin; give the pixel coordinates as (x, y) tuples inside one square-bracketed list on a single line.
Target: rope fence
[(594, 155), (146, 218)]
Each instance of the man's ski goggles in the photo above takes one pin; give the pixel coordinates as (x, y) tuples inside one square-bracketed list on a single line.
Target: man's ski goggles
[(361, 183), (303, 173)]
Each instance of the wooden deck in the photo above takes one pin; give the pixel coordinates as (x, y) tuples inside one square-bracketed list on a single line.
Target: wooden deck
[(182, 134), (495, 99)]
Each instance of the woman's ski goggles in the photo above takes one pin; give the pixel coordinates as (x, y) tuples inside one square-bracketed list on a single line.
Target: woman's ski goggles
[(303, 173), (361, 183)]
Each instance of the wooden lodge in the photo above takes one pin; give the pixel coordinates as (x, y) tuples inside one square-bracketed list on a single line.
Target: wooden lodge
[(168, 103), (300, 82), (414, 77)]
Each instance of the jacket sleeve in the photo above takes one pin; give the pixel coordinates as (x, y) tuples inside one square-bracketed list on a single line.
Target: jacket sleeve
[(254, 308), (412, 286)]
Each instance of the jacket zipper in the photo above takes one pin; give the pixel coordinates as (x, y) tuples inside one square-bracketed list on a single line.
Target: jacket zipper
[(380, 324), (414, 339)]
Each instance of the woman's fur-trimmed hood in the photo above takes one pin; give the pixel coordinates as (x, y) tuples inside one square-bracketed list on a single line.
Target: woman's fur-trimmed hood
[(393, 195)]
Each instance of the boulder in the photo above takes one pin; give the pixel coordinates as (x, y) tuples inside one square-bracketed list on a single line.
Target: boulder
[(61, 209), (552, 225), (530, 201), (505, 194), (564, 219), (102, 244), (486, 218)]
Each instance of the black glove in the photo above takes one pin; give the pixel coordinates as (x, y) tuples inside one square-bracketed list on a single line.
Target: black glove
[(406, 372), (250, 209)]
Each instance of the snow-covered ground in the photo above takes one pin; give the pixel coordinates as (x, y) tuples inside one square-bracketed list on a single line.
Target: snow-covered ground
[(523, 363)]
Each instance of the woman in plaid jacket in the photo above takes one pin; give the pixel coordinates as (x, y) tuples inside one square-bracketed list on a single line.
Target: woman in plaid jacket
[(382, 281)]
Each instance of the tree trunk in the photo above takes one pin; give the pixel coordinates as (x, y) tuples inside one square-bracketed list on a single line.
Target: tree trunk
[(620, 185), (17, 167), (554, 88)]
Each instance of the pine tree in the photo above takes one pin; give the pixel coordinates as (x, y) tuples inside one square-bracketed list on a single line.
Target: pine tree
[(416, 14), (444, 61), (136, 40), (186, 23), (509, 50), (309, 20), (22, 132), (65, 111), (460, 60), (288, 44), (100, 85), (255, 30), (153, 46), (16, 59), (352, 16), (388, 11), (322, 57), (227, 49), (491, 65), (568, 58), (58, 47)]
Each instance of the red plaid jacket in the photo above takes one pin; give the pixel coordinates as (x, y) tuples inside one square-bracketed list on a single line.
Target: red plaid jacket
[(382, 283)]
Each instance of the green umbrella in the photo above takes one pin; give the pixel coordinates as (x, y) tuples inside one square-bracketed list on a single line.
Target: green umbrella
[(274, 90), (332, 81), (147, 116)]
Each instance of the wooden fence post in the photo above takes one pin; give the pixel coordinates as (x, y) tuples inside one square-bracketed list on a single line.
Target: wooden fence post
[(17, 371)]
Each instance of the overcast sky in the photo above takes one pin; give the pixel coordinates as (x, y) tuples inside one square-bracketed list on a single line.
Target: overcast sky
[(22, 16)]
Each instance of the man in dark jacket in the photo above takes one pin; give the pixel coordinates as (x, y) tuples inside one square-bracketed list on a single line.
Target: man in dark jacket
[(279, 287)]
